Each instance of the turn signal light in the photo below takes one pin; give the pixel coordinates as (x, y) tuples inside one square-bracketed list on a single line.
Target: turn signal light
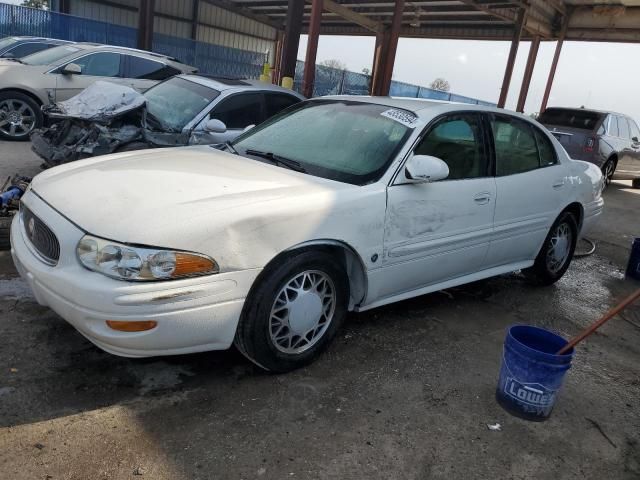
[(187, 264), (132, 326)]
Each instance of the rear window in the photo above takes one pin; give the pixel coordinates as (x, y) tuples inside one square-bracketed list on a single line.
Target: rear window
[(582, 119)]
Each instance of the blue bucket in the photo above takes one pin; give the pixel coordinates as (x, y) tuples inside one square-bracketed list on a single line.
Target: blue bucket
[(633, 268), (531, 373)]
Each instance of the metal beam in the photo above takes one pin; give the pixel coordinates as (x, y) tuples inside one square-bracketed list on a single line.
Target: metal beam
[(385, 53), (513, 53), (292, 31), (309, 76), (532, 25), (379, 56), (528, 73), (554, 64), (233, 7), (145, 24), (352, 16)]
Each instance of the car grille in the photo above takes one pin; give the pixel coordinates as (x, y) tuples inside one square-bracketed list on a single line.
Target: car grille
[(40, 236)]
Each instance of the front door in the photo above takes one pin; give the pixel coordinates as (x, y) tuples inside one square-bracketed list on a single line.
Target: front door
[(439, 231), (531, 188), (94, 67)]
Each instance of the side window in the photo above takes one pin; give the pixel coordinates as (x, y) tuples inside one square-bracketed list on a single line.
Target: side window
[(239, 111), (143, 68), (613, 126), (623, 127), (103, 64), (26, 49), (635, 132), (515, 144), (457, 140), (276, 102), (545, 149)]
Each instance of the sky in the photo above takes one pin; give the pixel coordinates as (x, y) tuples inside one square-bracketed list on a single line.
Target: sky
[(597, 75)]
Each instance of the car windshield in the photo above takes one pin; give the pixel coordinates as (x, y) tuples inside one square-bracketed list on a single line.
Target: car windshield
[(6, 42), (175, 102), (50, 56), (582, 119), (347, 141)]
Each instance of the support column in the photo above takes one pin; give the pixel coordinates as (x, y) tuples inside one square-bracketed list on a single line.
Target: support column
[(277, 58), (309, 76), (145, 24), (528, 72), (554, 64), (385, 53), (293, 27), (195, 13), (64, 6), (513, 53), (379, 56)]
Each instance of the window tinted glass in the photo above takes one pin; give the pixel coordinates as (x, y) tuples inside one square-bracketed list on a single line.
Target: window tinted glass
[(613, 126), (50, 56), (545, 149), (103, 64), (276, 102), (635, 132), (177, 101), (239, 111), (148, 69), (623, 127), (563, 117), (457, 140), (26, 49), (515, 144), (349, 142)]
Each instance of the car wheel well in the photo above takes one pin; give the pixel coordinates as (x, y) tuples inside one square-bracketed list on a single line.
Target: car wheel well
[(35, 98), (351, 262), (577, 211)]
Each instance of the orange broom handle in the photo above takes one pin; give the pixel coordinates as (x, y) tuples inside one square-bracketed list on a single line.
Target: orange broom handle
[(604, 319)]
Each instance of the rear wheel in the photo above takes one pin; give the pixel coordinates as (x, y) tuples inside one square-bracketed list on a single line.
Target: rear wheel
[(19, 116), (292, 315), (608, 169), (556, 253)]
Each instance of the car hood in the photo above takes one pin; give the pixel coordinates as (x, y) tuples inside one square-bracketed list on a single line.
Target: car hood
[(141, 197)]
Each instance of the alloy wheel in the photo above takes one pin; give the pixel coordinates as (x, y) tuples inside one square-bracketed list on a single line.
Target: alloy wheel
[(559, 248), (17, 118)]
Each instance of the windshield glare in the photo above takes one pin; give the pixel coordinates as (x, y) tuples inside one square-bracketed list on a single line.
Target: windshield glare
[(5, 42), (347, 141), (177, 101), (50, 56)]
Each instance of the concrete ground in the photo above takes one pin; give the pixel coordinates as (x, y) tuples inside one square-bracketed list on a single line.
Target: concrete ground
[(405, 392)]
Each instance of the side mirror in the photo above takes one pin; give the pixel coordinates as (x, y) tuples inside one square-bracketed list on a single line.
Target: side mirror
[(72, 69), (425, 169), (215, 126)]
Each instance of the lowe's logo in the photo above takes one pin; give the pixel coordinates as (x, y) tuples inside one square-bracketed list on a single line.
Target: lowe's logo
[(529, 393)]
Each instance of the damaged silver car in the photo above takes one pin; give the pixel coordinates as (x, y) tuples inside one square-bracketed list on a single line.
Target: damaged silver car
[(184, 110)]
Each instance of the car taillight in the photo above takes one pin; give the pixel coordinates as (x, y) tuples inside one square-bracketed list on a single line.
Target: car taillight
[(589, 144)]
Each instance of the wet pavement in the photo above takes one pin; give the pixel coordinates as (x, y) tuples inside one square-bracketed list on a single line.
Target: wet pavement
[(406, 391)]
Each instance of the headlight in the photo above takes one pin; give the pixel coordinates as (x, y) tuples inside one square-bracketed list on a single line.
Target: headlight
[(125, 262)]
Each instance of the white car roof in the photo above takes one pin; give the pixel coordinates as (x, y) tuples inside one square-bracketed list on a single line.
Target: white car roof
[(222, 84)]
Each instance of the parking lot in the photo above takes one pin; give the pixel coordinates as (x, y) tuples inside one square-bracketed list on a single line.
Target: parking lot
[(406, 391)]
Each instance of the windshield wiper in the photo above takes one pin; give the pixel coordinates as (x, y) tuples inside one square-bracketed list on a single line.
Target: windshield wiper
[(277, 159), (230, 147)]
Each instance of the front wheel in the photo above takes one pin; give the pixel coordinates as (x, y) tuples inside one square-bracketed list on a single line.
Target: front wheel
[(294, 311), (556, 253)]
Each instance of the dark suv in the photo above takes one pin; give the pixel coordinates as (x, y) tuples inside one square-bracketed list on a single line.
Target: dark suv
[(610, 140)]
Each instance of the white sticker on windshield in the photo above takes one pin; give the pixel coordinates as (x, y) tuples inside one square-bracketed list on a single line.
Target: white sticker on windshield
[(401, 116)]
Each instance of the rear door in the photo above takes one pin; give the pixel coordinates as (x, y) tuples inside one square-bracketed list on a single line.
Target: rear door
[(531, 189), (142, 73), (94, 66)]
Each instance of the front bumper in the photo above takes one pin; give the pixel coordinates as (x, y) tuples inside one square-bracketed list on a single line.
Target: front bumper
[(193, 315)]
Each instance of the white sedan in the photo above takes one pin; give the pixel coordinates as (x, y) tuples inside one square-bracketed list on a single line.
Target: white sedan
[(338, 204)]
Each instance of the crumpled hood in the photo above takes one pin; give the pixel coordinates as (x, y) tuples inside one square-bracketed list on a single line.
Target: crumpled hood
[(147, 196)]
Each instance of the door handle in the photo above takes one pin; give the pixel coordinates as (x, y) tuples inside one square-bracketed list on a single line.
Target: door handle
[(559, 184), (482, 198)]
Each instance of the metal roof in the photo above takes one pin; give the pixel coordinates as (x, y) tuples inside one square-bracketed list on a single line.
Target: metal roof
[(589, 20)]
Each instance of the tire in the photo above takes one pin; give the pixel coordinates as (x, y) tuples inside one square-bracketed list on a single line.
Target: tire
[(5, 230), (267, 332), (635, 183), (545, 270), (130, 147), (608, 169), (18, 107)]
